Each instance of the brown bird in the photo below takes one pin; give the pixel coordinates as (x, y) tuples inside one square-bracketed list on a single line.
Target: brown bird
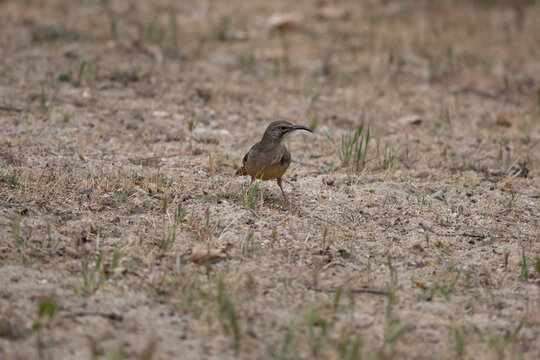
[(269, 158)]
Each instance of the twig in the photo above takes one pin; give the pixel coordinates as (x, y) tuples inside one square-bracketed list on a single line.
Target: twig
[(10, 108), (110, 316), (254, 213), (153, 158), (226, 228), (385, 198), (473, 235), (363, 290), (484, 93)]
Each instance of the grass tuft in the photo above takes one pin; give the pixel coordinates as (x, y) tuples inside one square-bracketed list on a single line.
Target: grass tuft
[(353, 147), (252, 197), (15, 231), (227, 315), (524, 269)]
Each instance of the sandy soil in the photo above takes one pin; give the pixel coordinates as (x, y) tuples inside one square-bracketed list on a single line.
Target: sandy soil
[(122, 124)]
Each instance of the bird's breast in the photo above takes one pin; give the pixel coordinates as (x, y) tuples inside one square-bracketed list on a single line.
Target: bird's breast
[(270, 164)]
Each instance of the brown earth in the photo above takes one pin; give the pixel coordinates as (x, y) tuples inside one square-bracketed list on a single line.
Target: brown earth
[(122, 124)]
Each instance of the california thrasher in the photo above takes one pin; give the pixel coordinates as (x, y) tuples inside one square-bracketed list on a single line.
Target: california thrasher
[(269, 158)]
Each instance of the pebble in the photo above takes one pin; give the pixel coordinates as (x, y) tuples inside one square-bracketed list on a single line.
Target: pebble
[(438, 195)]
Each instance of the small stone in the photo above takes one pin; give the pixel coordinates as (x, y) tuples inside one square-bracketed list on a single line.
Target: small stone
[(438, 195), (161, 114)]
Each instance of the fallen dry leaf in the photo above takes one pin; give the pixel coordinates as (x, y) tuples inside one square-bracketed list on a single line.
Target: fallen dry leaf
[(420, 284), (432, 263), (120, 271), (410, 120), (161, 114), (285, 22), (502, 120), (96, 207), (324, 196), (201, 255)]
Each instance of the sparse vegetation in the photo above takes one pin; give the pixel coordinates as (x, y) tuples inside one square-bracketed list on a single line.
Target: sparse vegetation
[(353, 147), (253, 195), (80, 73), (15, 231), (411, 222), (94, 277), (10, 179)]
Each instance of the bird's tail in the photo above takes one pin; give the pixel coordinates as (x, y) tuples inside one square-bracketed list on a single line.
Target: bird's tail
[(241, 171)]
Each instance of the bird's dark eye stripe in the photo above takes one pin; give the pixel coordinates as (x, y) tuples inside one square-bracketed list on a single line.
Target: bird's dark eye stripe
[(283, 127)]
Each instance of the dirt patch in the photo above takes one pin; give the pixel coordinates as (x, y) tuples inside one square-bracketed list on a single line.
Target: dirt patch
[(122, 127)]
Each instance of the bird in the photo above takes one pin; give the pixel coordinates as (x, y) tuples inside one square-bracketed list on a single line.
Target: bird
[(269, 158)]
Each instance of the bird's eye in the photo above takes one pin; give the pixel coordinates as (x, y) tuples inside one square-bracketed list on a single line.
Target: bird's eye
[(283, 127)]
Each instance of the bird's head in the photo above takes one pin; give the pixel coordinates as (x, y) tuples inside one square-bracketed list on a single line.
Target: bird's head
[(278, 130)]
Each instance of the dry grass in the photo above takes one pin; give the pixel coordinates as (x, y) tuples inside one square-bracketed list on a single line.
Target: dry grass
[(133, 118)]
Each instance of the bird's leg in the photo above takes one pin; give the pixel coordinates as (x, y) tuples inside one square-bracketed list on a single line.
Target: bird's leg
[(281, 187)]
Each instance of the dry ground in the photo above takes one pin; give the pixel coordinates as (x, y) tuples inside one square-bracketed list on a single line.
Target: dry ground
[(134, 116)]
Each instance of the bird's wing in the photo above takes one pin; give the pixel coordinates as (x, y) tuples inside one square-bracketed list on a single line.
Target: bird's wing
[(257, 147), (283, 156)]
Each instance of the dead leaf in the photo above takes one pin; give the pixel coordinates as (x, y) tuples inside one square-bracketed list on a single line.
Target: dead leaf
[(120, 271), (201, 255), (432, 263), (324, 196), (97, 207), (410, 120), (285, 22), (328, 182), (161, 114), (502, 120), (506, 240), (420, 284)]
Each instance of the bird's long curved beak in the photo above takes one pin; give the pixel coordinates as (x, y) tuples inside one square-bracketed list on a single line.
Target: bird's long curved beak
[(301, 127)]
